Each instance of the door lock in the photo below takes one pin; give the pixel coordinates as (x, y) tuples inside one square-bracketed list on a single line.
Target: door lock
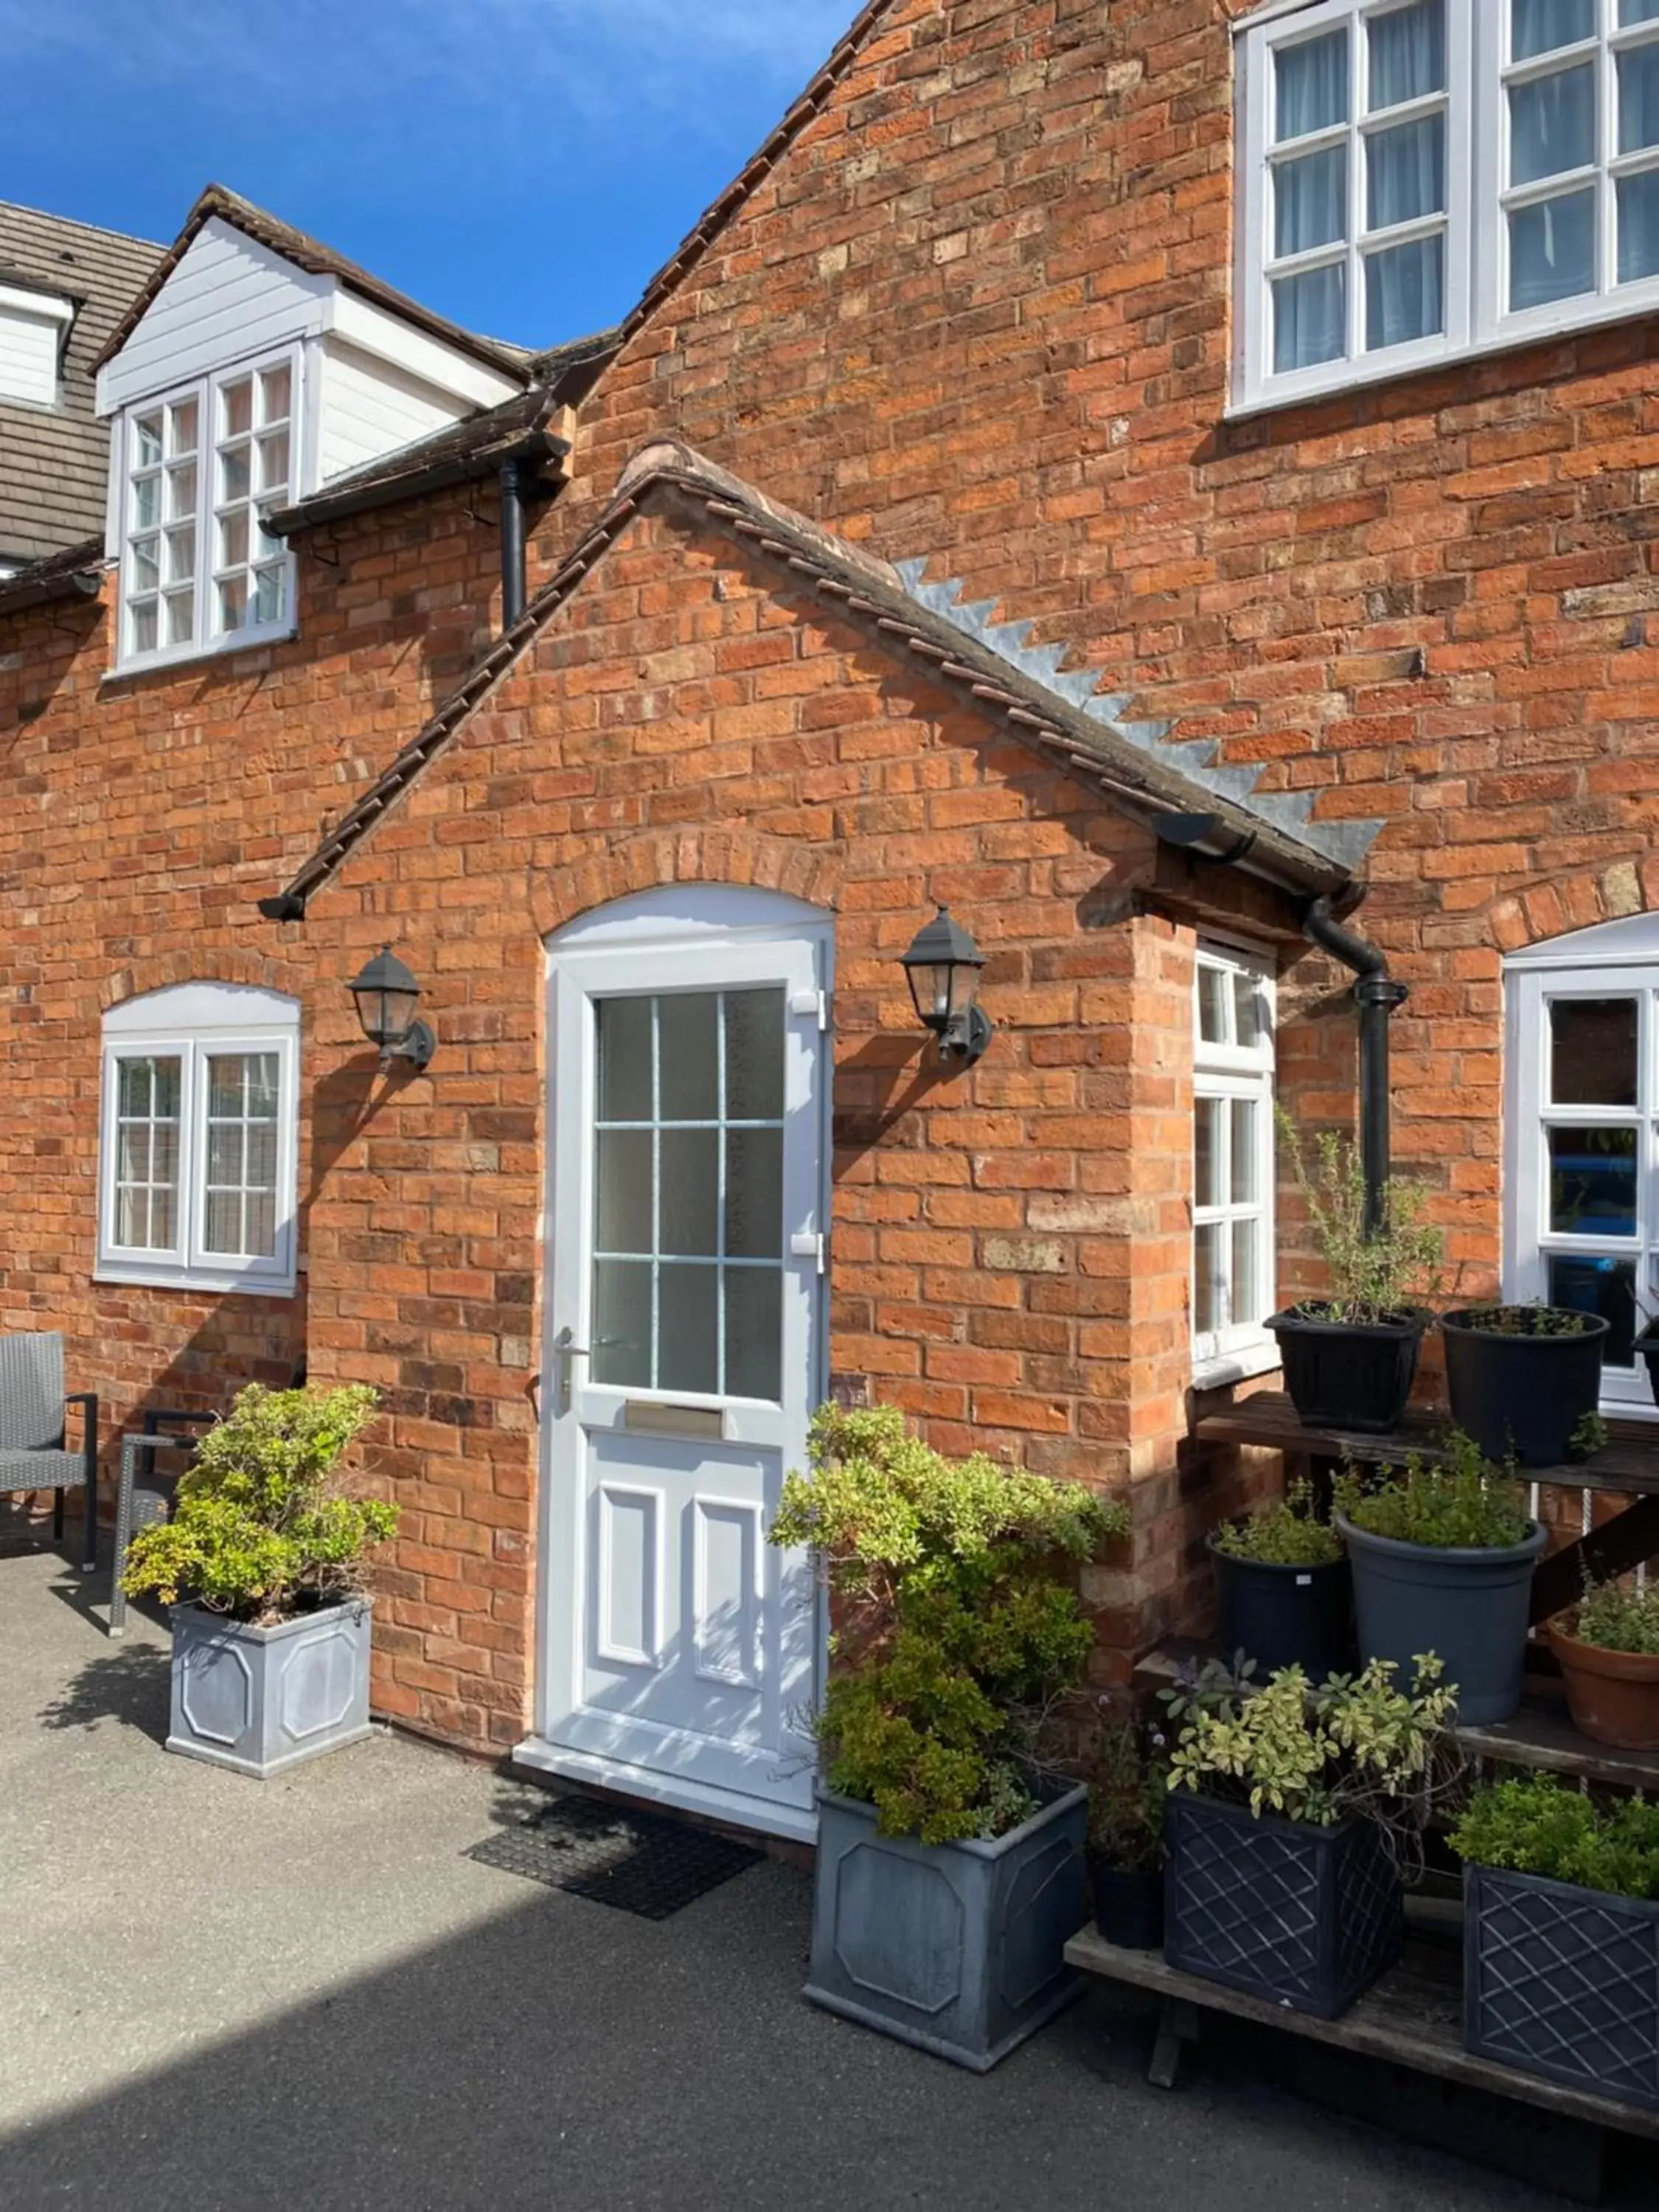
[(566, 1350)]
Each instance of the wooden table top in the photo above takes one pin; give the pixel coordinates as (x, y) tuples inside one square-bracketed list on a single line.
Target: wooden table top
[(1629, 1464)]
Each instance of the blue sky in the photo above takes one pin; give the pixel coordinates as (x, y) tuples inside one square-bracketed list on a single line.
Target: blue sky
[(522, 166)]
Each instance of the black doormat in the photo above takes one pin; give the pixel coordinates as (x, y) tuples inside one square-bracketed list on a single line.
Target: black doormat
[(638, 1861)]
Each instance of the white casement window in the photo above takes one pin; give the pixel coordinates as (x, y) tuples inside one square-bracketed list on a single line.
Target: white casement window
[(1580, 1187), (204, 466), (1232, 1164), (1424, 180), (198, 1158)]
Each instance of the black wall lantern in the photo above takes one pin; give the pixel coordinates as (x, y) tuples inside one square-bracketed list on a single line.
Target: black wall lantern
[(943, 970), (388, 995)]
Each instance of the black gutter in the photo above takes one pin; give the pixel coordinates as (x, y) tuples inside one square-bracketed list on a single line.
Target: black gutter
[(363, 498), (512, 568), (1378, 996)]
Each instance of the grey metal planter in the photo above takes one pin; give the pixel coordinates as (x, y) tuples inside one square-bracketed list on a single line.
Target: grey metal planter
[(262, 1700), (1470, 1607), (957, 1948), (1562, 1982)]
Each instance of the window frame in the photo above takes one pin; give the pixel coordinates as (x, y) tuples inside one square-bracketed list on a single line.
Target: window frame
[(1478, 321), (206, 392), (1233, 1071), (1622, 963), (195, 1022)]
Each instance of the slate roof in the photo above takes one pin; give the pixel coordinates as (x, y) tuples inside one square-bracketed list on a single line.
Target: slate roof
[(310, 254), (54, 460), (1134, 766)]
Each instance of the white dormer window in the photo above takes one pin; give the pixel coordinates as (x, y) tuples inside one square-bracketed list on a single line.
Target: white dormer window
[(1423, 180), (204, 466), (32, 328)]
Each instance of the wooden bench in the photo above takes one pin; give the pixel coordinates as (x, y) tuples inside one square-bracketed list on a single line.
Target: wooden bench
[(1412, 2019)]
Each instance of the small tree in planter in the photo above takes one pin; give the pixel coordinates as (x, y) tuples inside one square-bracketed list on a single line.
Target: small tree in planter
[(1351, 1357), (950, 1867), (1128, 1793), (1608, 1648), (1293, 1810), (1282, 1587), (1561, 1936), (1443, 1556), (262, 1562), (1524, 1380)]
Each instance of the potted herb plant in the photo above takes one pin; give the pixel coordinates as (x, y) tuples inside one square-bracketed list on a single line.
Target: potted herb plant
[(1282, 1587), (1128, 1789), (263, 1562), (951, 1868), (1294, 1810), (1561, 1936), (1608, 1649), (1442, 1553), (1350, 1356), (1524, 1380)]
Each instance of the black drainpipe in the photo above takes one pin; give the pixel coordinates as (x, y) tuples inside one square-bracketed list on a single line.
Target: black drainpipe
[(1377, 995), (512, 569)]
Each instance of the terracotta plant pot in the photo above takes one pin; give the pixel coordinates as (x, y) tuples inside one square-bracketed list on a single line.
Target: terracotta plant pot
[(1613, 1695)]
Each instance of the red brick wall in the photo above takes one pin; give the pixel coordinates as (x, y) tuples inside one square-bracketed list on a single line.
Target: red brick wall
[(982, 1223), (140, 818), (980, 312)]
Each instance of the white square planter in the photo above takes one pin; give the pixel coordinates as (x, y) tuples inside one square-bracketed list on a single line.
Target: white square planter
[(958, 1948), (261, 1699)]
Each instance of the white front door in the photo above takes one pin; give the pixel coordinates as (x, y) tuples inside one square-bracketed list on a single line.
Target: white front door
[(683, 1364)]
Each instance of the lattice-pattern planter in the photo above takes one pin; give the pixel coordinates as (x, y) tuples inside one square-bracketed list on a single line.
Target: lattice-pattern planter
[(1304, 1916), (1562, 1982)]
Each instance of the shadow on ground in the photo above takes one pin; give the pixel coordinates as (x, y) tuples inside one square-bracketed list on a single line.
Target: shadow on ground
[(566, 2058), (129, 1683)]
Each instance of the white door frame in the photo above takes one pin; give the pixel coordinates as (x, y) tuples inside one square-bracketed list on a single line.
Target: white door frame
[(690, 936)]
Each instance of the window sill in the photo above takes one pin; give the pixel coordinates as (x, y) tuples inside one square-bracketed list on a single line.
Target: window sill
[(192, 1281), (1548, 326), (222, 648), (1241, 1366)]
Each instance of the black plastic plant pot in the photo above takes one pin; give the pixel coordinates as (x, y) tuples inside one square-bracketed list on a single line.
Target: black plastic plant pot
[(1303, 1917), (1283, 1616), (1348, 1375), (1647, 1351), (1563, 1983), (1524, 1392), (1128, 1903), (1471, 1606)]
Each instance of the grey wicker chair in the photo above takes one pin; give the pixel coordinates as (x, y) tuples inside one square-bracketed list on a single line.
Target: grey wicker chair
[(147, 1492), (31, 1431)]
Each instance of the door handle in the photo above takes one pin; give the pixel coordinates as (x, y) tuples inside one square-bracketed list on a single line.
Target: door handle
[(567, 1350)]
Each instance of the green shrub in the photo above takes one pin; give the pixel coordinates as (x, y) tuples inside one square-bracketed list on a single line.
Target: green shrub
[(1375, 1278), (261, 1530), (1531, 1825), (1351, 1746), (1534, 1320), (957, 1625), (1460, 1503), (1128, 1791), (1615, 1618), (1285, 1534)]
